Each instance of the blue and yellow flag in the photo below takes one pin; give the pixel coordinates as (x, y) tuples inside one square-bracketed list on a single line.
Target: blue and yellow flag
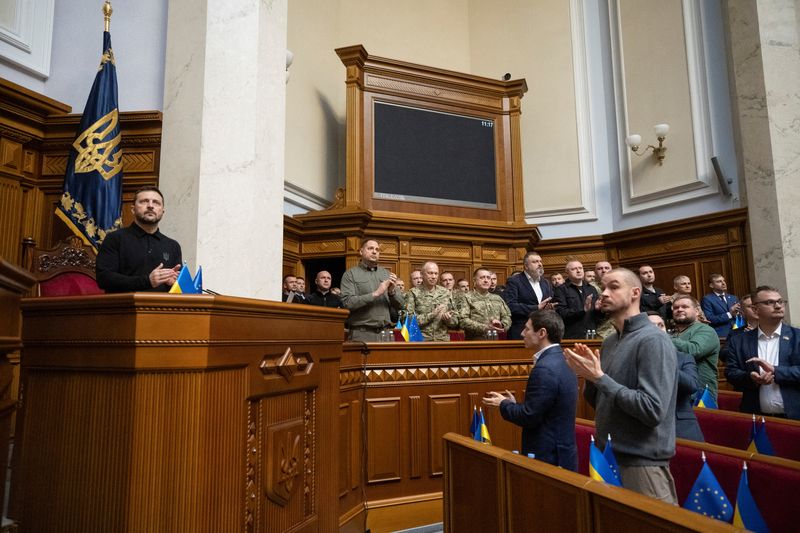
[(185, 284), (475, 424), (414, 333), (484, 431), (746, 514), (599, 469), (91, 204), (707, 497), (706, 400), (759, 441), (404, 330)]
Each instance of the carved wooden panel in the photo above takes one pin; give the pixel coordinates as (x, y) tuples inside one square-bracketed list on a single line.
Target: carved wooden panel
[(444, 411), (435, 251), (345, 444), (495, 254), (678, 245), (356, 438), (10, 219), (415, 439), (383, 428), (11, 155), (323, 247), (426, 90)]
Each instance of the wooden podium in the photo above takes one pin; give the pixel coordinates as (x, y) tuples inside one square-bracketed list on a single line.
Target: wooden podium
[(158, 412)]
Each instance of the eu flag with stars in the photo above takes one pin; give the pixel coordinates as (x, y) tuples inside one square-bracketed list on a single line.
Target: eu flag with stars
[(707, 497), (91, 204)]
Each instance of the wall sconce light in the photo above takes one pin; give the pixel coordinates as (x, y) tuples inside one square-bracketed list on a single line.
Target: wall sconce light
[(659, 152)]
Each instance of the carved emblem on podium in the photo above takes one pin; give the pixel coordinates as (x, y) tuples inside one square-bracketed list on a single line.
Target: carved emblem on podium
[(284, 460), (287, 365)]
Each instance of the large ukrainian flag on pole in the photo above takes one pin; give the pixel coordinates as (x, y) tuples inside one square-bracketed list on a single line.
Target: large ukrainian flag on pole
[(91, 204)]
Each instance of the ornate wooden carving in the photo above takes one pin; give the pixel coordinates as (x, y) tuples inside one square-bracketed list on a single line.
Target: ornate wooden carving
[(285, 460), (287, 364)]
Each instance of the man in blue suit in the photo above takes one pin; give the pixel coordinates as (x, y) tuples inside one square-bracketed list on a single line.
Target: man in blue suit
[(764, 363), (547, 415), (527, 292), (720, 307)]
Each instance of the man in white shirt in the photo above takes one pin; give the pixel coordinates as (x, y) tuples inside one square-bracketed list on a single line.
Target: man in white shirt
[(764, 363), (527, 292)]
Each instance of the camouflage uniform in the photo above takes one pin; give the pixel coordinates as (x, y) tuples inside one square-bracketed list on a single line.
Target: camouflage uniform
[(422, 302), (477, 309)]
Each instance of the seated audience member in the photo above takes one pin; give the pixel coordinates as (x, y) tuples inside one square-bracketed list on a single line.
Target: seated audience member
[(720, 307), (526, 293), (301, 285), (290, 292), (764, 363), (748, 310), (369, 291), (589, 277), (322, 295), (653, 298), (698, 340), (448, 281), (433, 305), (462, 285), (547, 413), (686, 425), (481, 311), (416, 279), (556, 280), (577, 303), (139, 257)]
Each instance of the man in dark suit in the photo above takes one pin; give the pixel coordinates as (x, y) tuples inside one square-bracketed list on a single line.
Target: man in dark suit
[(720, 307), (547, 415), (577, 303), (764, 363), (527, 292)]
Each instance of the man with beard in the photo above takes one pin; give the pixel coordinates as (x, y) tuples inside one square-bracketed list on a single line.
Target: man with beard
[(526, 293), (557, 279), (698, 340), (322, 295), (433, 305), (369, 292), (633, 388), (653, 298), (139, 257), (547, 414)]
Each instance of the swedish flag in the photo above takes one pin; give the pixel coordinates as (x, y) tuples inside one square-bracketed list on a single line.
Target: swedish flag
[(91, 204)]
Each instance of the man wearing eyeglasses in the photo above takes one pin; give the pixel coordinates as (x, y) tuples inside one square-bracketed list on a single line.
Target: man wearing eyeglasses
[(764, 363)]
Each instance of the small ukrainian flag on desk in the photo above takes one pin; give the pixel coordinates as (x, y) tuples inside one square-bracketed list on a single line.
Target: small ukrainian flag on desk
[(185, 284)]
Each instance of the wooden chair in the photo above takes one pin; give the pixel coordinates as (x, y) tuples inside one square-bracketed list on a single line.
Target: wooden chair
[(65, 270)]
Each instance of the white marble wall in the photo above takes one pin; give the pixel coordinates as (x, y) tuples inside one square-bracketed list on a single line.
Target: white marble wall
[(222, 160), (765, 55)]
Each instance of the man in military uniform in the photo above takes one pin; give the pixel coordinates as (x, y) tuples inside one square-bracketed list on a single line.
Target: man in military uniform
[(433, 305), (481, 311)]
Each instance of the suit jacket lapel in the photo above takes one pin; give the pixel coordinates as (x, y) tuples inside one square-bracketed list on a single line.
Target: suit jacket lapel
[(528, 288), (785, 345)]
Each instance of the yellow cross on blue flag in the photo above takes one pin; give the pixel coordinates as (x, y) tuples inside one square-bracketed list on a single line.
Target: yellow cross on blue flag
[(91, 202), (746, 515), (707, 497)]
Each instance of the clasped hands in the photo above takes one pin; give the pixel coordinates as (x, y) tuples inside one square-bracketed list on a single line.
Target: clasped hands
[(766, 374), (584, 361), (441, 312), (386, 285), (161, 275), (494, 398)]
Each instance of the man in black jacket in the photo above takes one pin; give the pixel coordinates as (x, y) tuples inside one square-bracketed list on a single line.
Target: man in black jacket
[(322, 295), (577, 303)]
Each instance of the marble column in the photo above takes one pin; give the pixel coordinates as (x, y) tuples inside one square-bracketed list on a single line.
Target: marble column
[(765, 79), (222, 158)]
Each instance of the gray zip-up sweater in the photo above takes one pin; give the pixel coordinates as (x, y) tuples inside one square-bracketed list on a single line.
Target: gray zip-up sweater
[(635, 398)]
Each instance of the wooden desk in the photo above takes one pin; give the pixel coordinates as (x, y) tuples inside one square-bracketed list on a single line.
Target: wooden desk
[(158, 412)]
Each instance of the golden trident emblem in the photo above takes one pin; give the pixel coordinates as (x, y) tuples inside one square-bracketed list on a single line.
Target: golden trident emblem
[(96, 154)]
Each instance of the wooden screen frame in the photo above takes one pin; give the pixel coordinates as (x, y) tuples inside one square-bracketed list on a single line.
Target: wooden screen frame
[(373, 79)]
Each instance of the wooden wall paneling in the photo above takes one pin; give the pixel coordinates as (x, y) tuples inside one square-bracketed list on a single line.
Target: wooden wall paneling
[(415, 436), (345, 445), (10, 219), (444, 411), (356, 444), (383, 438)]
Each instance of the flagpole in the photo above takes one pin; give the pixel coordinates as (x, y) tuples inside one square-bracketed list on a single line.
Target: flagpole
[(107, 11)]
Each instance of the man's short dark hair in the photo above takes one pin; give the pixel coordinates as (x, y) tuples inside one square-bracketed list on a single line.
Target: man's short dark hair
[(287, 276), (653, 313), (764, 288), (692, 299), (365, 240), (550, 321), (712, 277), (639, 270), (148, 188), (475, 273)]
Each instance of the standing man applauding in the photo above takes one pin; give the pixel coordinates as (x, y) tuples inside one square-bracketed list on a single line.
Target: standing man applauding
[(369, 291), (633, 388), (526, 293), (433, 305)]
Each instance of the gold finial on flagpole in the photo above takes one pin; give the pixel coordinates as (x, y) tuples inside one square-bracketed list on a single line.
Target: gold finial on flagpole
[(107, 10)]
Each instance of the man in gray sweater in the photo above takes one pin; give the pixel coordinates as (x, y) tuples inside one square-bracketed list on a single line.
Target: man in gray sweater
[(633, 388)]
